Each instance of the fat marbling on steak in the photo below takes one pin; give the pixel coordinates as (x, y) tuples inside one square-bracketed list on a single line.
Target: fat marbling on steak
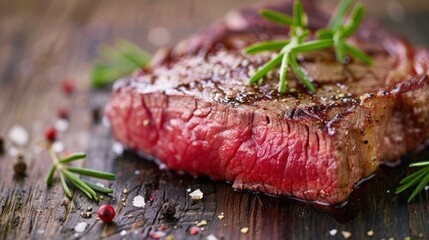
[(194, 110)]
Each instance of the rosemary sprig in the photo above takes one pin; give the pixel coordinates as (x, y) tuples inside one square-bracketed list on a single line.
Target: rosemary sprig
[(67, 176), (419, 178), (117, 62), (335, 36), (340, 28)]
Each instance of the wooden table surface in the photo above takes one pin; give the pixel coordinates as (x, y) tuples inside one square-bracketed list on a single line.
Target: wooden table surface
[(43, 42)]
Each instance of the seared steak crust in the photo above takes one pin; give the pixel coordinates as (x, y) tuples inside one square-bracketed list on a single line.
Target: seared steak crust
[(194, 110)]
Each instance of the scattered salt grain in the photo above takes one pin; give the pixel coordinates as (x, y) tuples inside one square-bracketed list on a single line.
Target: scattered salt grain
[(196, 195), (18, 135), (211, 237), (117, 148), (162, 166), (427, 187), (58, 147), (62, 125), (138, 201), (80, 227), (346, 234), (244, 230), (188, 190), (333, 232), (136, 172), (221, 216), (100, 184), (40, 231), (123, 233), (370, 233)]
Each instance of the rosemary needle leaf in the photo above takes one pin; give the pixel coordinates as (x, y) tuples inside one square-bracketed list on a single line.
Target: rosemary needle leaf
[(276, 17), (339, 13), (410, 181), (83, 190), (413, 176), (50, 175), (72, 157), (265, 46), (419, 188), (355, 20), (300, 74), (283, 71), (339, 50), (97, 188), (92, 173), (65, 187), (313, 45), (298, 14), (133, 53), (79, 183), (274, 62), (117, 62), (103, 74), (357, 53), (420, 164), (324, 33)]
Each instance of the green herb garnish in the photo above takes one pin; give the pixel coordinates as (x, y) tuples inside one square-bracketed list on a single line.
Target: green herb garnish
[(67, 175), (116, 62), (419, 178), (340, 29), (334, 36)]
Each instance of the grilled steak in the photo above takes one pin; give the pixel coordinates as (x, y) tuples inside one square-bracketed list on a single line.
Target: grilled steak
[(194, 110)]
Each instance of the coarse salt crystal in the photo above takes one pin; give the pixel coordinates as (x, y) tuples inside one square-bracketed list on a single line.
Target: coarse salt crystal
[(138, 201), (62, 125), (244, 230), (162, 166), (100, 184), (123, 233), (80, 227), (136, 172), (427, 187), (211, 237), (346, 234), (196, 195), (18, 135), (117, 148), (333, 232)]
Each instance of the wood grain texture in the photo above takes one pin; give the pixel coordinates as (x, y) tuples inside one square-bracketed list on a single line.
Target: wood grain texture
[(42, 42)]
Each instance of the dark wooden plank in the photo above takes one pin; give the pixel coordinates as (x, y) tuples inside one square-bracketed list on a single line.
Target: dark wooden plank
[(42, 43)]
